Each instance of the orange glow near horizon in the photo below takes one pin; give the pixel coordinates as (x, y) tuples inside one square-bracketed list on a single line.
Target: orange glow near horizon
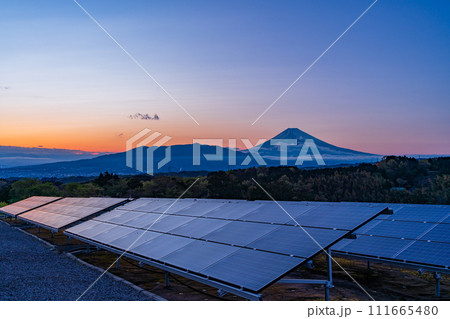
[(109, 140)]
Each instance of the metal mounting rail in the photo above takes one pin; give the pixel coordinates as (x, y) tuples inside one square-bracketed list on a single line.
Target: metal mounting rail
[(328, 283)]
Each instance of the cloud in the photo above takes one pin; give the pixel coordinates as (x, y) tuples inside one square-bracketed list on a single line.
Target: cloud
[(146, 116), (5, 87)]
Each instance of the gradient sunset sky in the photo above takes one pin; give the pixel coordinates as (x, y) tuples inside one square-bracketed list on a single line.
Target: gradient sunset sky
[(383, 88)]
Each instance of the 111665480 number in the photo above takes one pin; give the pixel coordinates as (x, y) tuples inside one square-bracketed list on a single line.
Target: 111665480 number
[(387, 310)]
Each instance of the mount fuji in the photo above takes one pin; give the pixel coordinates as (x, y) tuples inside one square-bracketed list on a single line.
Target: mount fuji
[(295, 139)]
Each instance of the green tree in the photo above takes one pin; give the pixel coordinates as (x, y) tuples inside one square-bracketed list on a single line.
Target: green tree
[(30, 187)]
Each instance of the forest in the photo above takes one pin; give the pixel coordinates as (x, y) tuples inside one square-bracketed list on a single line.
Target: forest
[(394, 179)]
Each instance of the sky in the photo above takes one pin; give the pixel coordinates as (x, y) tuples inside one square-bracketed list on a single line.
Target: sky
[(382, 88)]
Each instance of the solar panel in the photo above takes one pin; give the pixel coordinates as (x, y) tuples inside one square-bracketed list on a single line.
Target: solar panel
[(425, 226), (167, 223), (389, 228), (377, 246), (199, 227), (427, 253), (438, 233), (112, 232), (421, 213), (297, 241), (66, 211), (243, 244), (272, 213), (233, 210), (239, 233), (161, 246), (198, 255), (201, 208), (27, 204), (251, 269), (131, 240), (143, 220), (334, 217)]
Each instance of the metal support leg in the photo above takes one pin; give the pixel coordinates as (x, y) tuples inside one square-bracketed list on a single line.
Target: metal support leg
[(437, 278), (329, 275), (52, 234), (68, 240), (39, 230), (368, 265), (166, 277), (118, 263)]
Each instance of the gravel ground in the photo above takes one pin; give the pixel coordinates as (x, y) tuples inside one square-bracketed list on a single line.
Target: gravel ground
[(30, 270)]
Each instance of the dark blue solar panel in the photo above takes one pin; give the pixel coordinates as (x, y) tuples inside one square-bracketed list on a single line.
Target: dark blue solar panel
[(169, 222), (251, 269), (240, 233), (296, 241), (144, 221), (199, 227), (200, 208), (198, 255), (446, 220), (92, 228), (135, 204), (428, 253), (272, 213), (438, 233), (398, 229), (174, 206), (427, 213), (233, 210), (376, 246), (149, 205), (161, 246), (118, 217), (134, 239), (340, 217), (114, 232)]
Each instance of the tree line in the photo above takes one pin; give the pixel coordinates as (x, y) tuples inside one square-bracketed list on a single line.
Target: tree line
[(394, 179)]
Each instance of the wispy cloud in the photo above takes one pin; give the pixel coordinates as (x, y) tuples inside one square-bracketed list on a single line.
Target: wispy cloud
[(5, 87), (146, 116)]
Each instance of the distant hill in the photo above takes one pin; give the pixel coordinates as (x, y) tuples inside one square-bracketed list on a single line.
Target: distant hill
[(182, 159), (12, 156)]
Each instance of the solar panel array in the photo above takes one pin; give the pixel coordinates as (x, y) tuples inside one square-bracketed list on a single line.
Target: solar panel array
[(414, 234), (244, 244), (66, 211), (26, 205)]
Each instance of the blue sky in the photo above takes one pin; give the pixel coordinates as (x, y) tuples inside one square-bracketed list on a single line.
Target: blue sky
[(383, 88)]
